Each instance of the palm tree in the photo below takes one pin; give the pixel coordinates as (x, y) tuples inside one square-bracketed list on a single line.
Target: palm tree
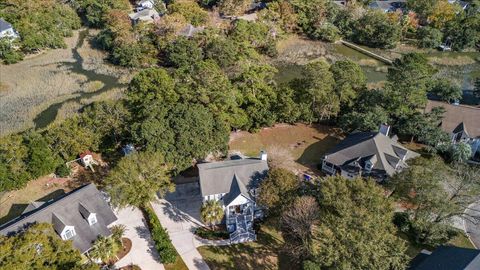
[(104, 248), (211, 212), (117, 233)]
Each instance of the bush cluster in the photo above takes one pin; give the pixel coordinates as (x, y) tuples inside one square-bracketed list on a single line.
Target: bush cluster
[(163, 244)]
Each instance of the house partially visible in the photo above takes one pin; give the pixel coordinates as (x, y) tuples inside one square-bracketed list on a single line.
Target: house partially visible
[(81, 215), (7, 30), (367, 154), (189, 30), (234, 183), (148, 15), (143, 4), (462, 123), (389, 6), (447, 258)]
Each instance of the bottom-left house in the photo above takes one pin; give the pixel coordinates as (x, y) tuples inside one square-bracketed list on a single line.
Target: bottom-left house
[(81, 215)]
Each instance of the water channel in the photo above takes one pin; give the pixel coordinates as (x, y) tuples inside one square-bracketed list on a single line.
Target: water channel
[(464, 74), (109, 82)]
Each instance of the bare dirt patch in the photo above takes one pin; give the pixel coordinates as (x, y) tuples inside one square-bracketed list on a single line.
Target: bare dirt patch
[(298, 147)]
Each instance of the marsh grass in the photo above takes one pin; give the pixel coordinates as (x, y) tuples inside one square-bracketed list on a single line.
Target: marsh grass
[(452, 61), (31, 86)]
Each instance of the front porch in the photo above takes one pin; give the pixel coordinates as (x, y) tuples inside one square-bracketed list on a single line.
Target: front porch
[(239, 221)]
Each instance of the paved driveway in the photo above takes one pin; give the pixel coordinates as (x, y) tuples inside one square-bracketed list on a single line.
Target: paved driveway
[(179, 213), (143, 252), (472, 225)]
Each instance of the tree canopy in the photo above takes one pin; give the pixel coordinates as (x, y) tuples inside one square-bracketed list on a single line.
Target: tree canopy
[(39, 247), (137, 178), (355, 221)]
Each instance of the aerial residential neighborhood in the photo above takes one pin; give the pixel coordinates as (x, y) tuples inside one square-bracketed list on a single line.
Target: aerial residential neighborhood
[(240, 134)]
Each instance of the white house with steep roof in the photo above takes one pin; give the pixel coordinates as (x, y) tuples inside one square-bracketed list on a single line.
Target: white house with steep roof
[(234, 184)]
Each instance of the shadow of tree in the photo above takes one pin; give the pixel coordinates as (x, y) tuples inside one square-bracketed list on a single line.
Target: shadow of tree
[(265, 253), (144, 233), (312, 155)]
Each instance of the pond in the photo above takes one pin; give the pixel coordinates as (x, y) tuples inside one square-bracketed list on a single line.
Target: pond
[(109, 82)]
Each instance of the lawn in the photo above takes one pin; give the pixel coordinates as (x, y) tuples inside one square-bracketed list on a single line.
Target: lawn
[(179, 264), (297, 147), (461, 240), (265, 253)]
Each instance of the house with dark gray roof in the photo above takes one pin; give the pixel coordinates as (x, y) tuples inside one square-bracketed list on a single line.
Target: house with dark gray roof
[(81, 215), (462, 123), (7, 30), (447, 258), (367, 154), (233, 183)]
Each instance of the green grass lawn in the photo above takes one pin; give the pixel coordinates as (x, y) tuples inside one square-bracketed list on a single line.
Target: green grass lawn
[(265, 253), (461, 240), (179, 264)]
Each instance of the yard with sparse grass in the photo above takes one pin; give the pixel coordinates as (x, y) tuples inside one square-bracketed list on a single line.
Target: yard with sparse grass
[(265, 253), (297, 147)]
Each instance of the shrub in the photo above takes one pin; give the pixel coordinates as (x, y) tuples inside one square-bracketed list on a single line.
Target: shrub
[(62, 170), (163, 244), (206, 233)]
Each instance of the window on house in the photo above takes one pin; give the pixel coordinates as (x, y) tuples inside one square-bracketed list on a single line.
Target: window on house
[(92, 219), (69, 233)]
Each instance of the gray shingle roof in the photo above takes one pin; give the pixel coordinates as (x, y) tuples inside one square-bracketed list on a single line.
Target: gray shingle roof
[(4, 25), (235, 176), (65, 211), (458, 118), (450, 258), (362, 146)]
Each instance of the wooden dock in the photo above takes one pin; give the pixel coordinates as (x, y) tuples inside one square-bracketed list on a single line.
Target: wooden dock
[(367, 52)]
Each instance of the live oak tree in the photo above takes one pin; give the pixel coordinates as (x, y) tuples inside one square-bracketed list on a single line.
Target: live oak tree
[(211, 212), (349, 80), (40, 247), (137, 178), (278, 190), (437, 193), (318, 90), (183, 133), (355, 221)]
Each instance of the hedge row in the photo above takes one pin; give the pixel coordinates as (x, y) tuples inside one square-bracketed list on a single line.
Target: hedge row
[(163, 244)]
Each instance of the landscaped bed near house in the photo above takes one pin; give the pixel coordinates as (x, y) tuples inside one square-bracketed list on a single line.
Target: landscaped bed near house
[(219, 233), (265, 253), (297, 147)]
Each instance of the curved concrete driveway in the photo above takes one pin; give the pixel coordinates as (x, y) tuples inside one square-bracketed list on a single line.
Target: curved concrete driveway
[(143, 252), (472, 225), (179, 214)]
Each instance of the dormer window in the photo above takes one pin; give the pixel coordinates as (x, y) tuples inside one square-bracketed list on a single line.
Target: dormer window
[(68, 233), (92, 219)]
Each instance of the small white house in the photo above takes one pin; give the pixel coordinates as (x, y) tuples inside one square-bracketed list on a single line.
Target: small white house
[(7, 30), (234, 183)]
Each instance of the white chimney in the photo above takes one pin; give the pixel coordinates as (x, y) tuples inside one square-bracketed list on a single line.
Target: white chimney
[(384, 129), (263, 155)]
